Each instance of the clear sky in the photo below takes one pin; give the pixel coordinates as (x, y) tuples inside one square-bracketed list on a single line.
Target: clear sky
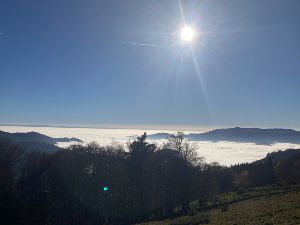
[(80, 62)]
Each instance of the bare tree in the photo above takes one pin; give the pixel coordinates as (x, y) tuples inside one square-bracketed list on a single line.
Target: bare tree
[(187, 150)]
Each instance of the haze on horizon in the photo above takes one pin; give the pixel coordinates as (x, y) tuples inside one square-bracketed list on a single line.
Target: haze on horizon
[(224, 152), (124, 63)]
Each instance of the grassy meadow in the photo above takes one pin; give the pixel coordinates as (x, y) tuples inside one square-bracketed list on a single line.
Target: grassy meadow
[(260, 206)]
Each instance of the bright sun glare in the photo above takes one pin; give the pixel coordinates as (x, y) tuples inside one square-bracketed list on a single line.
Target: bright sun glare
[(187, 34)]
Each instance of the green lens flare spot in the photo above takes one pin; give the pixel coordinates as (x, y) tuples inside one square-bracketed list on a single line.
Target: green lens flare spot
[(105, 188)]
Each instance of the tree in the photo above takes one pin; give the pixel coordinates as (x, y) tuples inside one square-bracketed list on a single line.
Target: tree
[(10, 165), (140, 149), (187, 150), (140, 152)]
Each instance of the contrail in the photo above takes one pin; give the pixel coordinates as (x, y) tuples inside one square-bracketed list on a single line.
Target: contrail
[(141, 44)]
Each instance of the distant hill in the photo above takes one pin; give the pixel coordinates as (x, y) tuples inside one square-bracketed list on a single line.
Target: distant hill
[(158, 136), (35, 141), (246, 135)]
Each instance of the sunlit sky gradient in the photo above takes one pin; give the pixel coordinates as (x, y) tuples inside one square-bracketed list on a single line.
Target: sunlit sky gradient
[(70, 62)]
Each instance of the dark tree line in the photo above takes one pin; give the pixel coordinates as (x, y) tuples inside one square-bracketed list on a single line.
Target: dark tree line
[(108, 185)]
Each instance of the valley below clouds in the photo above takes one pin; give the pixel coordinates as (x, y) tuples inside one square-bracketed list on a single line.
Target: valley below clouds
[(225, 153)]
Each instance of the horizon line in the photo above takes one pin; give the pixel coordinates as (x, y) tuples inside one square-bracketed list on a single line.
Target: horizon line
[(146, 127)]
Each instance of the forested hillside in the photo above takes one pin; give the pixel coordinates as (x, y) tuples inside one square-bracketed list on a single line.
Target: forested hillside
[(108, 185)]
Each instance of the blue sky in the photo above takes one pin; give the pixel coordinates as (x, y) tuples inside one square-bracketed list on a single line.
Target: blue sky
[(67, 62)]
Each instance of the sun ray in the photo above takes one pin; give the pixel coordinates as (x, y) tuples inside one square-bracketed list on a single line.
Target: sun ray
[(202, 84)]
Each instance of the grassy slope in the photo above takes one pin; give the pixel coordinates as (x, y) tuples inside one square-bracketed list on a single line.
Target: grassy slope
[(270, 209)]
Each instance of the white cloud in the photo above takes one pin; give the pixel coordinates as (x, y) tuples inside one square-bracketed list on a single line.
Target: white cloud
[(225, 153)]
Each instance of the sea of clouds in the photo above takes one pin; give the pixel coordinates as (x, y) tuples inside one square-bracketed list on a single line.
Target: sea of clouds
[(226, 153)]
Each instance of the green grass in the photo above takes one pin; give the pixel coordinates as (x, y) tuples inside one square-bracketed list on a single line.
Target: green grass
[(262, 206), (231, 197)]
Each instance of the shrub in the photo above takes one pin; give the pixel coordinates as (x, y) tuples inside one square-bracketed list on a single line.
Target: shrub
[(224, 208), (240, 191)]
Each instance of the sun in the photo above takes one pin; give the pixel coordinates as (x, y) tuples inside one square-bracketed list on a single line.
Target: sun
[(187, 34)]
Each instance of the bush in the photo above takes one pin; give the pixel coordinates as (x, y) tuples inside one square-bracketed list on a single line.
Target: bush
[(241, 191), (224, 208)]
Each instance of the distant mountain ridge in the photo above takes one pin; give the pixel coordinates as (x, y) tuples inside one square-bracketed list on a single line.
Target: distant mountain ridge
[(246, 135), (36, 141), (35, 137)]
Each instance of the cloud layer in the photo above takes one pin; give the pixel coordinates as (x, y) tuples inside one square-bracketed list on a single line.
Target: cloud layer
[(225, 153)]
